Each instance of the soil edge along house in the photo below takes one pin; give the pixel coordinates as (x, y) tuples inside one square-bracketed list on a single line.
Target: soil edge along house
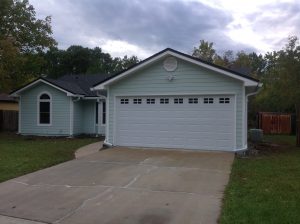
[(169, 100)]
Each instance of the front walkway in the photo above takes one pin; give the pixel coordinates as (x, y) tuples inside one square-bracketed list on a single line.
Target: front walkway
[(88, 149)]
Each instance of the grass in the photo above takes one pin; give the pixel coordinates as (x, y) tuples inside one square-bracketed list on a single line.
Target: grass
[(21, 155), (265, 188)]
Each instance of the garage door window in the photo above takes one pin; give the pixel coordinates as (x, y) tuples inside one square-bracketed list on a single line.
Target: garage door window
[(124, 101), (208, 100), (178, 101), (164, 101), (150, 101), (193, 100), (137, 101), (224, 100)]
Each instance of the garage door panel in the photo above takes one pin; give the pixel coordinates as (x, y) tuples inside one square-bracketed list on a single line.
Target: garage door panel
[(191, 126)]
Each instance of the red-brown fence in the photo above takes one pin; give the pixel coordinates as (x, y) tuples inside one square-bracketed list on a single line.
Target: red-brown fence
[(8, 120), (275, 123)]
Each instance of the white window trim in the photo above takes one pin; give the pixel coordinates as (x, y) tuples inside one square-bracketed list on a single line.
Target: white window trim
[(38, 108)]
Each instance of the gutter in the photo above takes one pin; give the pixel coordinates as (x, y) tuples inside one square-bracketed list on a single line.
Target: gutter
[(78, 98), (258, 89)]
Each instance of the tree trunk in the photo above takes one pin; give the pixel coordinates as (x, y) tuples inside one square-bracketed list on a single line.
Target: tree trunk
[(298, 125)]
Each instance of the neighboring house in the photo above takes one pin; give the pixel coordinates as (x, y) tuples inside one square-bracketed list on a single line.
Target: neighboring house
[(8, 103), (63, 107), (169, 100)]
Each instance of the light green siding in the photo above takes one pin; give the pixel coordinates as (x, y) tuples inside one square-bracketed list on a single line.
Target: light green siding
[(60, 112), (89, 123), (78, 117), (189, 79)]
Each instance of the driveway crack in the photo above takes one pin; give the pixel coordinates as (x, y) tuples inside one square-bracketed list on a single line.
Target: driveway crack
[(83, 205)]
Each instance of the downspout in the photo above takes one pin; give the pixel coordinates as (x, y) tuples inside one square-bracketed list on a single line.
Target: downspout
[(258, 89)]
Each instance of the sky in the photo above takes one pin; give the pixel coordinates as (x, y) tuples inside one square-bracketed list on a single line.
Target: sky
[(144, 27)]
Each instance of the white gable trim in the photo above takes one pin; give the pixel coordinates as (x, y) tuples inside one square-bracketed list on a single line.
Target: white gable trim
[(247, 82), (16, 93)]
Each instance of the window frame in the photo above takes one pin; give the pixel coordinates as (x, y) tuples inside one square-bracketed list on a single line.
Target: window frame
[(150, 101), (164, 101), (124, 101), (39, 100), (137, 101), (193, 100), (210, 100), (178, 100), (103, 112), (224, 100)]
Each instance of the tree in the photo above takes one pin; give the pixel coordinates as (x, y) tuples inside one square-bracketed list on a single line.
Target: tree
[(125, 62), (22, 39), (205, 51), (80, 60), (289, 77)]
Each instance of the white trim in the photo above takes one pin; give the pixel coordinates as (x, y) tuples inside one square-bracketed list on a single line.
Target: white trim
[(71, 115), (43, 81), (114, 141), (244, 117), (103, 85), (98, 125), (93, 97), (107, 117), (178, 94), (19, 115), (234, 124), (241, 149), (38, 108)]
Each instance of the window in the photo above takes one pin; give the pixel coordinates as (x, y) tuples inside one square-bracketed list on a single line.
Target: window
[(150, 101), (137, 101), (178, 101), (208, 100), (193, 100), (124, 101), (103, 121), (44, 109), (96, 114), (224, 100), (103, 112), (164, 101)]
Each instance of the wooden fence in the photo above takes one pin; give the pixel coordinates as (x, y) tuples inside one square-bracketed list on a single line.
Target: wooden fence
[(275, 123), (8, 120)]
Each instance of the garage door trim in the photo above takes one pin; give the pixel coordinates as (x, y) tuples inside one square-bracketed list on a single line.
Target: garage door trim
[(114, 142)]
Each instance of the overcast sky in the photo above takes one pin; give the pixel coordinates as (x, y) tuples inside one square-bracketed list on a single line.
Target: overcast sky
[(132, 27)]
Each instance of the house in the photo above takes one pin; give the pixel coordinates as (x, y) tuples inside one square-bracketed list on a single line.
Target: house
[(63, 107), (8, 103), (169, 100)]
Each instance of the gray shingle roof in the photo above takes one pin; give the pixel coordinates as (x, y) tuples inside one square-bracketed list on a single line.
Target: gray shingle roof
[(78, 84), (6, 98)]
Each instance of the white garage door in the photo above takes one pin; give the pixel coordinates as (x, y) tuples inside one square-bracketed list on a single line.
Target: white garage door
[(189, 122)]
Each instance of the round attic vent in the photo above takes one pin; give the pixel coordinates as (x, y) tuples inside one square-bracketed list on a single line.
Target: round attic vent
[(170, 64)]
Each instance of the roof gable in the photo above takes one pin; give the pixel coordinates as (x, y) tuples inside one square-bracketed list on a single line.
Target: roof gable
[(72, 85), (248, 81)]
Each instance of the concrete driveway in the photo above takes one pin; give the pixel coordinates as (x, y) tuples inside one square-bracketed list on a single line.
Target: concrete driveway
[(121, 185)]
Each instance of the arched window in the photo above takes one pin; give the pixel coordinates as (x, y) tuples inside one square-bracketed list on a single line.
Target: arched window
[(44, 109)]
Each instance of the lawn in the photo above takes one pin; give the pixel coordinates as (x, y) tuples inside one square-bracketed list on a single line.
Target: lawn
[(20, 155), (265, 188)]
